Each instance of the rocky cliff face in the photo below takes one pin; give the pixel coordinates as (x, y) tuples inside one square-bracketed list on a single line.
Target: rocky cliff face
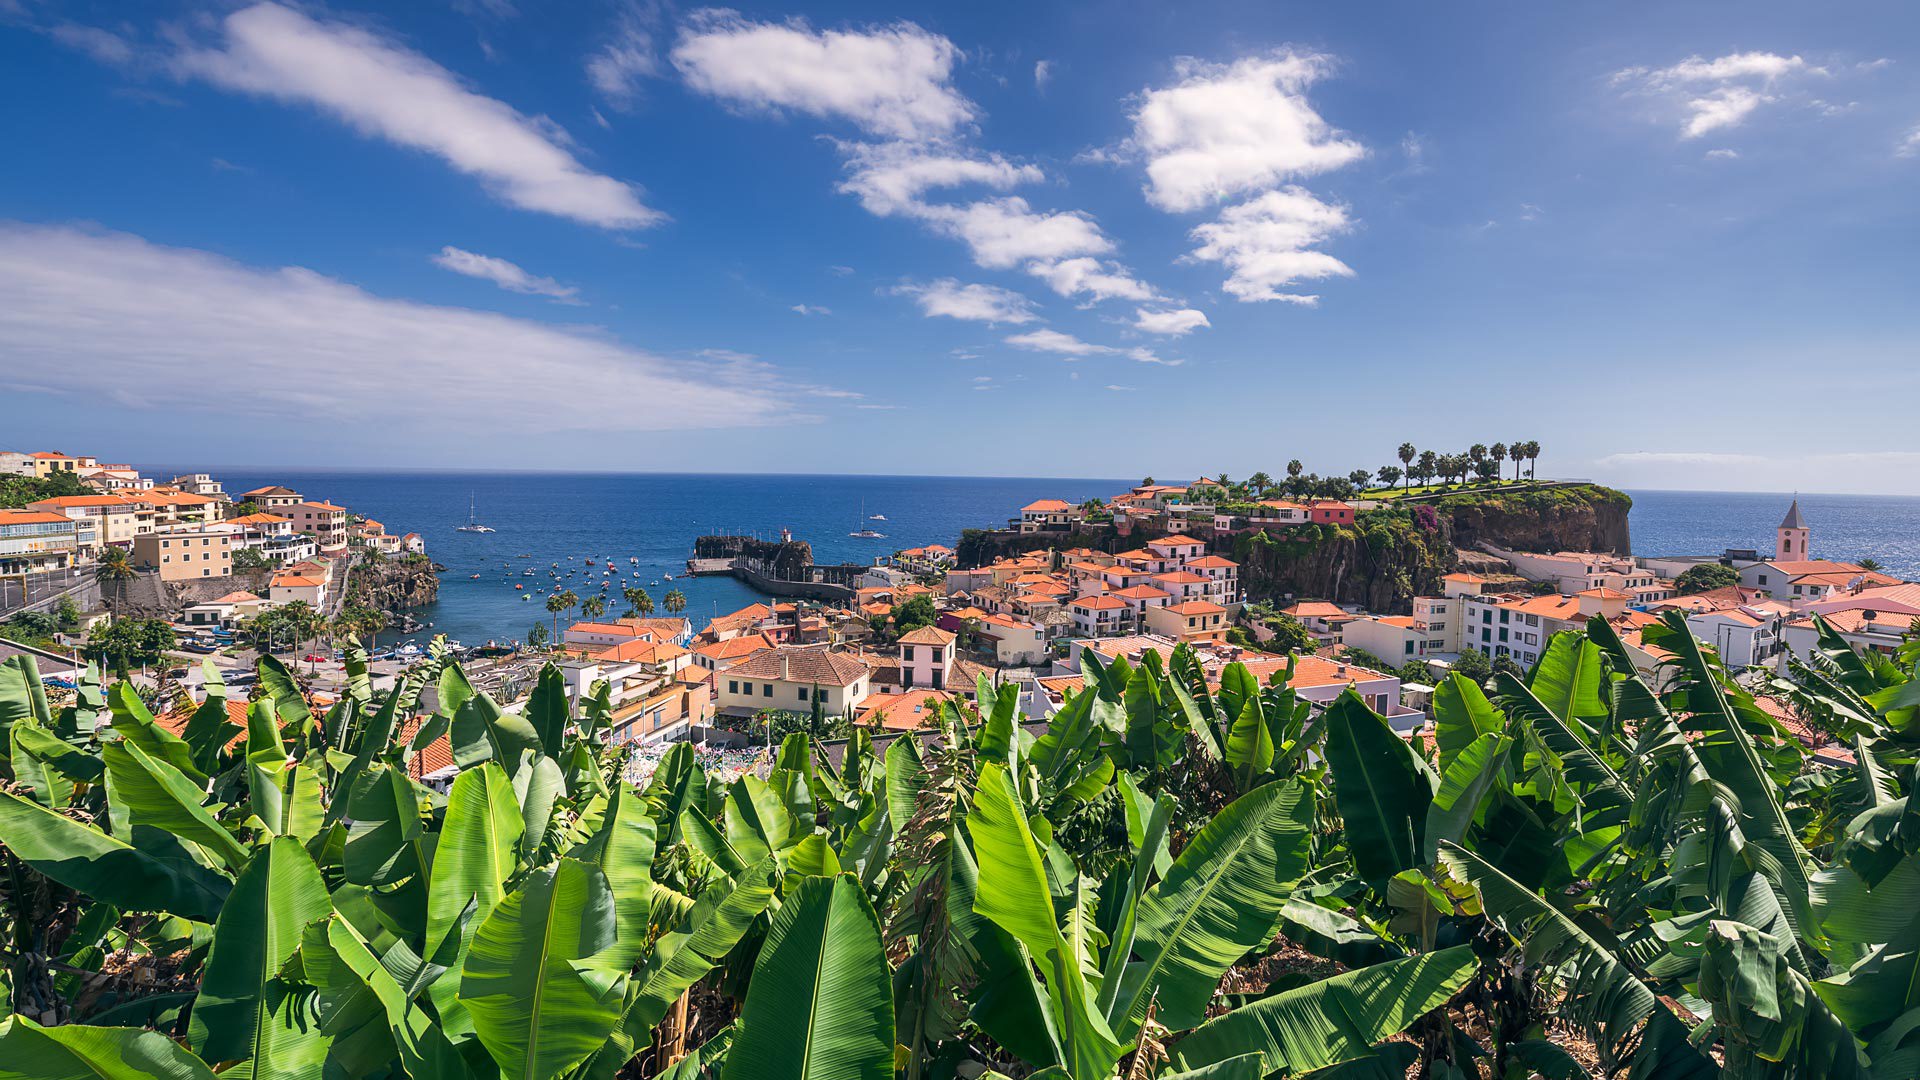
[(1586, 518), (394, 584)]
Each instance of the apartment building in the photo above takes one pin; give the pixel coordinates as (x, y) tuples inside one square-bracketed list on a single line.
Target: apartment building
[(326, 522), (184, 555), (34, 541), (793, 679)]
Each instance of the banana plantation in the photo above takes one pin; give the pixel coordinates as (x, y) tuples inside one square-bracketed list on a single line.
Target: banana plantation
[(1591, 872)]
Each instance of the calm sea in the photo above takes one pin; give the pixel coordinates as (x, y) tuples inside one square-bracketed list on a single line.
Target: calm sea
[(654, 519)]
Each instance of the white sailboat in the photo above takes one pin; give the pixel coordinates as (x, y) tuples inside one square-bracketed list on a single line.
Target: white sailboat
[(472, 525), (867, 532)]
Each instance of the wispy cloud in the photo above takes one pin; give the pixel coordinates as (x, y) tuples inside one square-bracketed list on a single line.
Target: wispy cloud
[(507, 275), (618, 67), (97, 313), (1054, 341), (1713, 95), (811, 309), (384, 90)]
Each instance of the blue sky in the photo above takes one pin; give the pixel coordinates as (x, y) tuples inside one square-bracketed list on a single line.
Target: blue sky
[(1674, 243)]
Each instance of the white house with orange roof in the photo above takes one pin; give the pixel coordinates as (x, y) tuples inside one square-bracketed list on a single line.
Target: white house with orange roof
[(1866, 629), (272, 535), (1141, 599), (32, 541), (1223, 575), (1745, 636), (290, 585), (721, 655), (793, 679), (1048, 515), (272, 497), (1178, 547), (1100, 615), (1519, 627), (1433, 630), (928, 559), (226, 611), (1014, 642)]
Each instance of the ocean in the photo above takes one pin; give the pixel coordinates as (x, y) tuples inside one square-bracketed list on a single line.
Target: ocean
[(654, 518)]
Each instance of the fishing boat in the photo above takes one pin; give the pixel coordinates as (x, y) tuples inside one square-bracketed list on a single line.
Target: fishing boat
[(877, 517), (472, 525)]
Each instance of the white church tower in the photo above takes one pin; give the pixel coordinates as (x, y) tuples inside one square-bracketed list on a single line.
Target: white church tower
[(1791, 543)]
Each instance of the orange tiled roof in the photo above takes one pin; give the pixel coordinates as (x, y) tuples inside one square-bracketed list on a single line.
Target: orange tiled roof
[(1045, 506), (1098, 603), (1195, 607)]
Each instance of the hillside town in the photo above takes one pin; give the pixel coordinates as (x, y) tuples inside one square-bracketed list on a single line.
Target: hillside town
[(183, 552), (1073, 589)]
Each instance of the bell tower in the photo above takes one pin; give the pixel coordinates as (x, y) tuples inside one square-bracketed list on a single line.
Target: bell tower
[(1791, 541)]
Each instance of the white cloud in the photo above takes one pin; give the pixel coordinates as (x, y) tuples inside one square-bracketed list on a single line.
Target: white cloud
[(1723, 154), (93, 313), (1003, 233), (890, 178), (387, 91), (1174, 323), (508, 276), (1118, 388), (1266, 244), (890, 81), (618, 67), (811, 309), (950, 299), (1042, 74), (1054, 341), (1100, 281), (1148, 356), (1909, 146), (1712, 95), (1226, 129)]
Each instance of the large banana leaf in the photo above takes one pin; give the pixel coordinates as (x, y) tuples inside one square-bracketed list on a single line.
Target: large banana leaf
[(1567, 679), (1605, 799), (1768, 1016), (547, 709), (48, 765), (77, 1052), (158, 795), (22, 697), (1336, 1019), (1221, 899), (352, 979), (1383, 790), (1602, 993), (540, 998), (820, 1006), (1461, 714), (387, 843), (136, 725), (476, 854), (1463, 785), (697, 943), (105, 867), (275, 897), (1012, 891), (623, 849)]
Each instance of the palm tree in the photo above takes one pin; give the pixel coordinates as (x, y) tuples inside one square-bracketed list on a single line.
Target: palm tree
[(593, 607), (638, 602), (1477, 453), (1517, 450), (1429, 465), (676, 601), (1259, 482), (113, 572), (1868, 564), (1407, 454), (554, 607), (1533, 456), (1499, 452)]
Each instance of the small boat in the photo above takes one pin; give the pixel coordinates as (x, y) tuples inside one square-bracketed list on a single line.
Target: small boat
[(866, 532), (517, 588), (877, 517), (669, 577), (632, 559), (473, 577)]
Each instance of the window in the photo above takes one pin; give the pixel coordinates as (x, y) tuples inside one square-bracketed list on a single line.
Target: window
[(907, 652), (767, 690), (1409, 648), (1763, 579), (803, 693), (733, 686)]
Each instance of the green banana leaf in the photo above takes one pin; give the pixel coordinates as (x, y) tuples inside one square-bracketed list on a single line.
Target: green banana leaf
[(78, 1052), (1221, 899), (244, 1011), (820, 1006), (105, 867), (1602, 993), (1464, 783), (1382, 789), (540, 996), (136, 725), (1336, 1019), (1461, 714), (475, 856), (1567, 679), (158, 795)]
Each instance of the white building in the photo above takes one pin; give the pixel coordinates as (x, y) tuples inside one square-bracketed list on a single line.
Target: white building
[(926, 656), (793, 679)]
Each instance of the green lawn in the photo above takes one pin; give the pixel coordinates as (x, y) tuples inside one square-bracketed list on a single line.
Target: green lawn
[(1433, 489)]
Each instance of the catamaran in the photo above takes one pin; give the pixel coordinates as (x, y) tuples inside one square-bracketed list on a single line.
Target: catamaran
[(472, 525), (866, 532)]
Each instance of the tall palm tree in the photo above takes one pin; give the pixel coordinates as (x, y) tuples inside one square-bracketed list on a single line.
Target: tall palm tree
[(113, 572), (554, 607), (1517, 450), (593, 606), (638, 601), (1259, 482), (1533, 456), (1477, 453), (676, 601), (1407, 454), (1498, 453)]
